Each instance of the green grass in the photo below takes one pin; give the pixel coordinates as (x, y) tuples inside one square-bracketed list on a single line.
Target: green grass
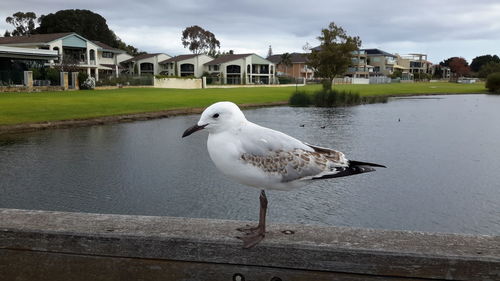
[(18, 108)]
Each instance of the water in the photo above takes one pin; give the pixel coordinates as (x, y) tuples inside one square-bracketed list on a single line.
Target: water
[(442, 153)]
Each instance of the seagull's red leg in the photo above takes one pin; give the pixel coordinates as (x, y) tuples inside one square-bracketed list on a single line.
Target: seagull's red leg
[(256, 234)]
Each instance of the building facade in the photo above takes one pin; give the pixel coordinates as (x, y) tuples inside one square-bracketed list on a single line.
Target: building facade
[(185, 65), (297, 67), (242, 69), (74, 52)]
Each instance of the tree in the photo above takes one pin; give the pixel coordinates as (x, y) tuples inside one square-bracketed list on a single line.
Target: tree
[(479, 61), (333, 56), (286, 60), (199, 40), (6, 34), (85, 23), (269, 52), (24, 23), (489, 68), (459, 66)]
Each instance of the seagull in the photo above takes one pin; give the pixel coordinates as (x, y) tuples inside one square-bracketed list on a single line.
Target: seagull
[(260, 157)]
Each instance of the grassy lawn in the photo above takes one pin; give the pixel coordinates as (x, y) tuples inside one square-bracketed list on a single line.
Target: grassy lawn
[(18, 108)]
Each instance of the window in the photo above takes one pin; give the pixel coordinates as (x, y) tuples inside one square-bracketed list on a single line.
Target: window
[(108, 55)]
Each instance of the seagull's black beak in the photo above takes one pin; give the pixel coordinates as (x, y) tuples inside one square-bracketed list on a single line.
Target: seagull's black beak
[(193, 129)]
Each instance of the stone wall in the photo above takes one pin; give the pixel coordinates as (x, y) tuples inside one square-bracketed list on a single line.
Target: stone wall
[(178, 83)]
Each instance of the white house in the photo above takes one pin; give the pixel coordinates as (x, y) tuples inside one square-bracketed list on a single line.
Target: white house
[(242, 69), (146, 63), (74, 50), (185, 65)]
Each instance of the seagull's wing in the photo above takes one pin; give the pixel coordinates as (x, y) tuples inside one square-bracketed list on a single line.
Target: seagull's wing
[(279, 154)]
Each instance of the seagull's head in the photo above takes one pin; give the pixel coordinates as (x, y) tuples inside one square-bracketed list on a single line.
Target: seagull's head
[(218, 117)]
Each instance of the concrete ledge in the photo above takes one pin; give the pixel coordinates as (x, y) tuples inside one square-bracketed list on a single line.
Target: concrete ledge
[(41, 245)]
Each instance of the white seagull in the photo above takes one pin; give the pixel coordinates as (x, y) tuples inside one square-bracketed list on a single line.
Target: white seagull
[(267, 159)]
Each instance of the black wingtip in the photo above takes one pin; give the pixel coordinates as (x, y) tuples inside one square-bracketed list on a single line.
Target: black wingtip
[(354, 168), (359, 163)]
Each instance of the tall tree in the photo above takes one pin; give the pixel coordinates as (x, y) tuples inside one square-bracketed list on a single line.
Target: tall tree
[(333, 56), (269, 52), (286, 61), (199, 40), (459, 66), (83, 22), (479, 61), (24, 23)]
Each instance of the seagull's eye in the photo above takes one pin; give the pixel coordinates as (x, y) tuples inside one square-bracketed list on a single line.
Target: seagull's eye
[(215, 115)]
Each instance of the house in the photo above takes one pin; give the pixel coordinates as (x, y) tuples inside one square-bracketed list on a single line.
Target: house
[(110, 60), (359, 67), (298, 66), (417, 63), (242, 69), (383, 62), (185, 65), (146, 64), (74, 51)]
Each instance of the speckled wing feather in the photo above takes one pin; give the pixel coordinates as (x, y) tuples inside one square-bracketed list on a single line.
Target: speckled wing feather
[(299, 164)]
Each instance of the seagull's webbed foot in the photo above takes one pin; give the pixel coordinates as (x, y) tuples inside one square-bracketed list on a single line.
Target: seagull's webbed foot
[(248, 229), (252, 239)]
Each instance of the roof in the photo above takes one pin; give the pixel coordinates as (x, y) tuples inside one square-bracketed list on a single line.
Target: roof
[(226, 58), (140, 57), (15, 52), (107, 47), (294, 58), (377, 52), (179, 58), (35, 38)]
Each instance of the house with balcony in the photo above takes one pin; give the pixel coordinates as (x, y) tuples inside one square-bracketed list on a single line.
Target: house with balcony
[(242, 69), (75, 52), (418, 63), (297, 68), (185, 65), (383, 62), (359, 67), (146, 64), (110, 60)]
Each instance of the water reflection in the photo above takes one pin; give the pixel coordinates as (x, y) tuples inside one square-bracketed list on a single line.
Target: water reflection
[(442, 156)]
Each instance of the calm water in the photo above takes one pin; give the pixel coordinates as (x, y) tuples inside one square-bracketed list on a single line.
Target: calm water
[(443, 175)]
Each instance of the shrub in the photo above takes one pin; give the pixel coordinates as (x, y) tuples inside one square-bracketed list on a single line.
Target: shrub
[(53, 75), (286, 80), (300, 98), (493, 82), (82, 76), (88, 84)]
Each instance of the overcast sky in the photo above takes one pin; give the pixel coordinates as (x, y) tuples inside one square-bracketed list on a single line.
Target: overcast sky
[(439, 28)]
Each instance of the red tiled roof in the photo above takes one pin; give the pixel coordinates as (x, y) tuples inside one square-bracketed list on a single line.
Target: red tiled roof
[(35, 38)]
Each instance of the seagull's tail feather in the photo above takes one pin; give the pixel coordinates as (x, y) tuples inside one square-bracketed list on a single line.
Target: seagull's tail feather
[(354, 168)]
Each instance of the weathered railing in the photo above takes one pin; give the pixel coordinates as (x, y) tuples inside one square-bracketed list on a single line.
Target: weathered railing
[(41, 245)]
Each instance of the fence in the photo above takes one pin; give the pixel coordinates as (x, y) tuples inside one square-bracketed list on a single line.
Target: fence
[(371, 80), (127, 80), (11, 77)]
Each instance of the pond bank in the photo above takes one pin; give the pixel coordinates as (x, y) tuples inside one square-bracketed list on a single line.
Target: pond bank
[(122, 118), (29, 127)]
